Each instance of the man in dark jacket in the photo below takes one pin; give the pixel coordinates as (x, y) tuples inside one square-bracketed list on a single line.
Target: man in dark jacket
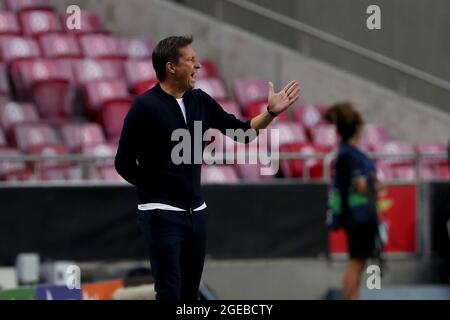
[(171, 211)]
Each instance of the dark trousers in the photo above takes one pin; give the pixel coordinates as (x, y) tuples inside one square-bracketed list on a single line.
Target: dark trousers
[(176, 241)]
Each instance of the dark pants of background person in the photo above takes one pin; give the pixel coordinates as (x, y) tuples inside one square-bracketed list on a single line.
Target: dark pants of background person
[(176, 241)]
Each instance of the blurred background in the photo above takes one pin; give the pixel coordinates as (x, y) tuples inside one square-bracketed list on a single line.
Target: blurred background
[(64, 93)]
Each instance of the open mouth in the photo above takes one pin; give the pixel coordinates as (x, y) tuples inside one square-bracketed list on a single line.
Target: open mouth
[(193, 76)]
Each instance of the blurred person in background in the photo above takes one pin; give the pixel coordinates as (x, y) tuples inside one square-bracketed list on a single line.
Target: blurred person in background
[(353, 199), (172, 213)]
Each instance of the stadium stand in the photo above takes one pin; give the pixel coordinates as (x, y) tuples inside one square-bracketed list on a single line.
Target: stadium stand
[(69, 90)]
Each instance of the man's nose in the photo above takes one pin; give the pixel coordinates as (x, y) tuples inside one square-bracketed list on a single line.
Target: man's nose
[(198, 65)]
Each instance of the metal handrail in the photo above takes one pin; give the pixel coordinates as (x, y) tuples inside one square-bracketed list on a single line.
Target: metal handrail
[(89, 161), (344, 44)]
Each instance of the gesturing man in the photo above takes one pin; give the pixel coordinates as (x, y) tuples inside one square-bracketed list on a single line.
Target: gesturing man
[(171, 211)]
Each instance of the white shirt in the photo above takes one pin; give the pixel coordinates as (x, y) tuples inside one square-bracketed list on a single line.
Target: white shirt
[(182, 107)]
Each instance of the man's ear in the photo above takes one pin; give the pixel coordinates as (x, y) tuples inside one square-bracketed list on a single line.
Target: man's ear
[(170, 67)]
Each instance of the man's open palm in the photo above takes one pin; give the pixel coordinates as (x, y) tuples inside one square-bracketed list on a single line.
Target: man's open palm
[(280, 101)]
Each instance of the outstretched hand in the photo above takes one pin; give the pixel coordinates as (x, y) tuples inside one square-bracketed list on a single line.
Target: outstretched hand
[(280, 101)]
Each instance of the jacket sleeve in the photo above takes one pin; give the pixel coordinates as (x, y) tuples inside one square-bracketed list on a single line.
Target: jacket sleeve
[(126, 157), (222, 120)]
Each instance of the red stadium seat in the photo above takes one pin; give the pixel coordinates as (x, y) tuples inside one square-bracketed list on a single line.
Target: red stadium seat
[(102, 91), (144, 86), (443, 171), (404, 171), (13, 113), (37, 22), (397, 148), (325, 135), (77, 136), (373, 137), (219, 174), (90, 23), (256, 108), (16, 48), (231, 107), (138, 72), (247, 91), (309, 116), (208, 70), (28, 135), (49, 85), (136, 48), (100, 46), (311, 168), (289, 133), (102, 150), (87, 70), (212, 86), (9, 24), (13, 170), (427, 150), (59, 46), (112, 115), (22, 5)]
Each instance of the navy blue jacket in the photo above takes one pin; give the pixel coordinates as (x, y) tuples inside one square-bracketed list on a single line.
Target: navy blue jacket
[(144, 154)]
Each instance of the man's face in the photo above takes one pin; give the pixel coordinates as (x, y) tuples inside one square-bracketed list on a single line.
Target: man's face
[(186, 68)]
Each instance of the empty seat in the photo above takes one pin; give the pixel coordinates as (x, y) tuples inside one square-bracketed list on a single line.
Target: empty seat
[(289, 133), (325, 135), (102, 150), (306, 168), (59, 46), (208, 69), (404, 172), (13, 170), (100, 92), (15, 48), (309, 116), (427, 152), (77, 136), (22, 5), (90, 22), (247, 91), (443, 171), (144, 86), (8, 23), (403, 150), (373, 136), (256, 108), (37, 22), (100, 46), (48, 84), (13, 113), (139, 72), (28, 135), (212, 86), (86, 70), (219, 174), (112, 115), (136, 48)]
